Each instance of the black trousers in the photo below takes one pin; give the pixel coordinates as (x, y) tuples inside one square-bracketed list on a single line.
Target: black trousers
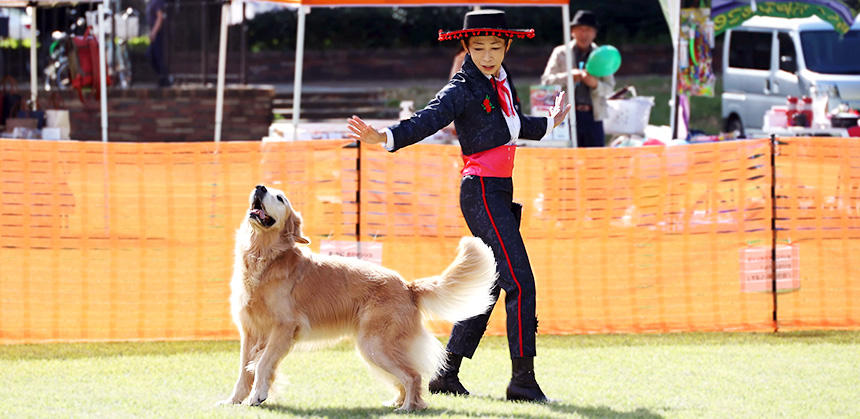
[(488, 207), (589, 133), (157, 58)]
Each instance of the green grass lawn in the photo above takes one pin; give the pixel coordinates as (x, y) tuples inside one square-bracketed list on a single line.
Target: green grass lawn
[(704, 111), (809, 374)]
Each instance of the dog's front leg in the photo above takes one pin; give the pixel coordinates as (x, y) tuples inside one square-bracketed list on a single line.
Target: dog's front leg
[(246, 377), (279, 343)]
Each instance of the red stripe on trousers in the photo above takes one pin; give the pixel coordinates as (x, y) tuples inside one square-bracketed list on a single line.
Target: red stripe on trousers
[(510, 266)]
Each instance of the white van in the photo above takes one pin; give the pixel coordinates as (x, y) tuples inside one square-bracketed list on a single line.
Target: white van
[(767, 59)]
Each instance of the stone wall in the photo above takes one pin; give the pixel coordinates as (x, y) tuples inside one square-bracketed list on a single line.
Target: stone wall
[(175, 114), (345, 65)]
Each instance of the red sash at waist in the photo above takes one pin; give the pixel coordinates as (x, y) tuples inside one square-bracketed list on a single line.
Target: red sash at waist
[(495, 162)]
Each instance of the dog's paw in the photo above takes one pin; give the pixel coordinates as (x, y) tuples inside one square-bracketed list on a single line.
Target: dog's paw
[(395, 402), (227, 402), (419, 405), (257, 398)]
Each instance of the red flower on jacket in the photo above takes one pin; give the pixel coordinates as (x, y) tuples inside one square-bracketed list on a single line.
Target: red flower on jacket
[(487, 105)]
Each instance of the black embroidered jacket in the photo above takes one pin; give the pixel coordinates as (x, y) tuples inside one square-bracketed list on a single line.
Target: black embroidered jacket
[(470, 100)]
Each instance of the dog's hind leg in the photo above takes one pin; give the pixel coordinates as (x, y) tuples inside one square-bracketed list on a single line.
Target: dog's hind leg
[(390, 356), (400, 398), (385, 377), (246, 378), (279, 342)]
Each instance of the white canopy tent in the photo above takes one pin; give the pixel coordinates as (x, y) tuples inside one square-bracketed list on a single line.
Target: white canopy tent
[(304, 7), (31, 6)]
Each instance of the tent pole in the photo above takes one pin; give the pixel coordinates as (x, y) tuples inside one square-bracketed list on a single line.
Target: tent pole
[(104, 7), (34, 87), (243, 49), (222, 65), (568, 62), (297, 82), (675, 11)]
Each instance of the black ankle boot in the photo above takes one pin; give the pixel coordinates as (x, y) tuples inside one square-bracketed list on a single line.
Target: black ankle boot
[(447, 381), (523, 386)]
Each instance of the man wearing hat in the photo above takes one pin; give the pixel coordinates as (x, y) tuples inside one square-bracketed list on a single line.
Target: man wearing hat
[(590, 92), (482, 102)]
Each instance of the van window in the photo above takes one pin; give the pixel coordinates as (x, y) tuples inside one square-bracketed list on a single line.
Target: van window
[(750, 50), (787, 57), (826, 53)]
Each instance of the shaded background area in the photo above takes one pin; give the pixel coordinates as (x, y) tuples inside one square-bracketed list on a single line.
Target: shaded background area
[(390, 51)]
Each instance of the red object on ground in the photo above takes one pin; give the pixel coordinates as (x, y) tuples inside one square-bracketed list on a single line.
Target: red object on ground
[(653, 141), (854, 131)]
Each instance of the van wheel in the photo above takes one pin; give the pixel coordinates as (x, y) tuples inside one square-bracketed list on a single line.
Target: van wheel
[(733, 123)]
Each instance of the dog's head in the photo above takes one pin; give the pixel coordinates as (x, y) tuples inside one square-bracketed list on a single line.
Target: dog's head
[(271, 213)]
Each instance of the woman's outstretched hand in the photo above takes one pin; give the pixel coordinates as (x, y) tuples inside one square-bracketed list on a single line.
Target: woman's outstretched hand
[(363, 132), (560, 110)]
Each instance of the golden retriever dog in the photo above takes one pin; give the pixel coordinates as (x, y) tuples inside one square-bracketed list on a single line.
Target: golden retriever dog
[(282, 293)]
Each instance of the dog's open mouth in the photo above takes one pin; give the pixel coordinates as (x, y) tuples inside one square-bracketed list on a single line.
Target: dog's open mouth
[(258, 213)]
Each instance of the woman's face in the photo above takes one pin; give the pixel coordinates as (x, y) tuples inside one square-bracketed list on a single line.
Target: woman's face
[(487, 52)]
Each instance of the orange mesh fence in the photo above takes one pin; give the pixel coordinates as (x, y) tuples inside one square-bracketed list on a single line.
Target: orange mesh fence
[(134, 240), (818, 215), (620, 240)]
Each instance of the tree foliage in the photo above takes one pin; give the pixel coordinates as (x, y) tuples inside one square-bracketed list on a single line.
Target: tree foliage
[(628, 21), (406, 27)]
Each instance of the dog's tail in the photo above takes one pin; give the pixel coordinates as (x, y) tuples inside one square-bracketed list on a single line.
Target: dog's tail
[(463, 289)]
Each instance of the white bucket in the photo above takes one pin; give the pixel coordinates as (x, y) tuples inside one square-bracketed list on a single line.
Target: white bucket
[(628, 116)]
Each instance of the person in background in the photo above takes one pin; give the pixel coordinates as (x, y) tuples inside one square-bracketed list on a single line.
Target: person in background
[(590, 92), (156, 17)]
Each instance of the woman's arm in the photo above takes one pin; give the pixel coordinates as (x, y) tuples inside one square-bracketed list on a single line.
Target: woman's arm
[(159, 20), (363, 132), (537, 127), (447, 104)]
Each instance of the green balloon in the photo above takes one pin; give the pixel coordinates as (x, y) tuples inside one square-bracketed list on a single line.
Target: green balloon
[(603, 61)]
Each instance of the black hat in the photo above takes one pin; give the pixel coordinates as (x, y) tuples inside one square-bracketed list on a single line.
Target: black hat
[(584, 17), (486, 23)]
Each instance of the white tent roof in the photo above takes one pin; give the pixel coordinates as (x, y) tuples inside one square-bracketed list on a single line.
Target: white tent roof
[(43, 3)]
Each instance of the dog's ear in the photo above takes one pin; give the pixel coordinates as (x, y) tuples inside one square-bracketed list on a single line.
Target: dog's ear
[(293, 228), (297, 230)]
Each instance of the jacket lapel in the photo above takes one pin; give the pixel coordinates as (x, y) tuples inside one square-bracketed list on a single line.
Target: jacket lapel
[(486, 86)]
